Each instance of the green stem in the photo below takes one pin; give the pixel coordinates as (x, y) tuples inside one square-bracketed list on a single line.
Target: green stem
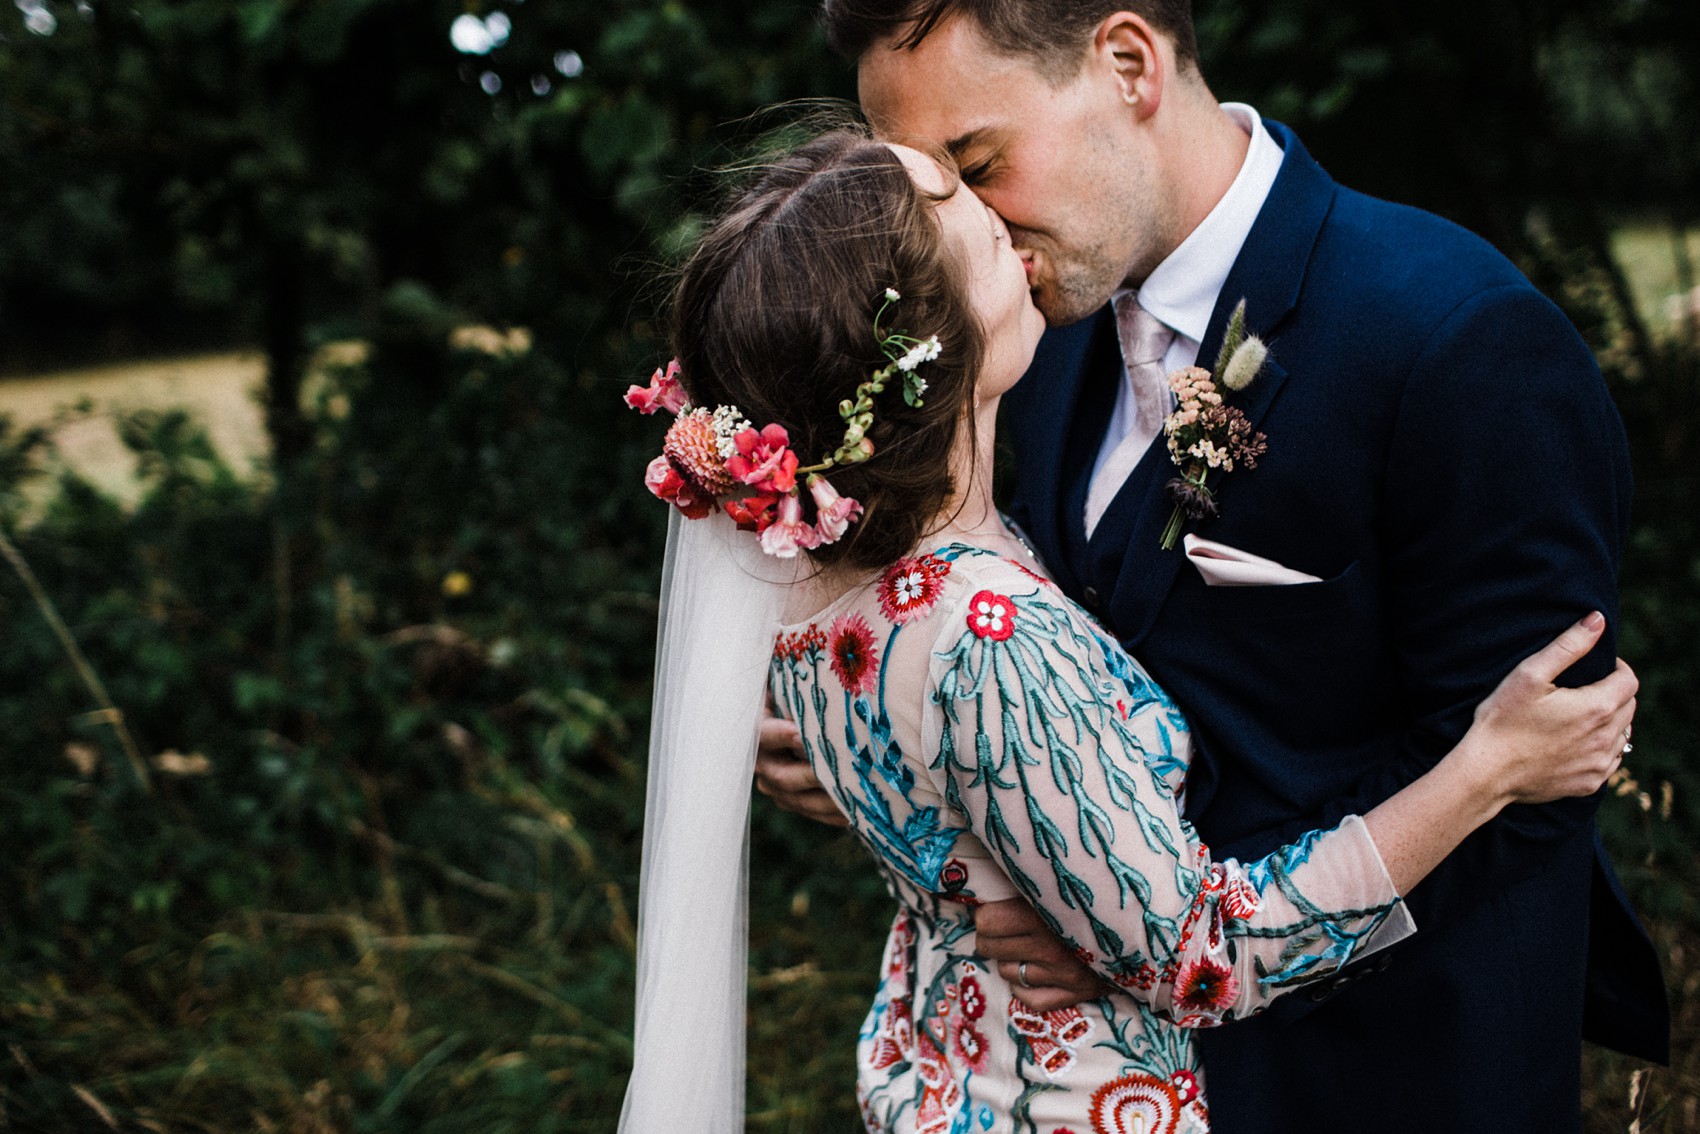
[(1177, 521), (109, 712)]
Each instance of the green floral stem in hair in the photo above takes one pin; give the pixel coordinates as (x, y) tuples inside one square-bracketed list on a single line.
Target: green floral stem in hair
[(906, 353)]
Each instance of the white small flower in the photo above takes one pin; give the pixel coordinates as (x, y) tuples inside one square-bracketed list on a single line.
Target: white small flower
[(921, 352), (891, 295), (728, 422)]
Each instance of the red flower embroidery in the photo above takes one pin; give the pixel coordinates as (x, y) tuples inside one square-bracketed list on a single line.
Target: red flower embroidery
[(1024, 1020), (1053, 1059), (1206, 987), (971, 1045), (1185, 1084), (1135, 1104), (1068, 1025), (1240, 900), (973, 998), (884, 1053), (910, 587), (992, 616), (854, 659), (953, 877)]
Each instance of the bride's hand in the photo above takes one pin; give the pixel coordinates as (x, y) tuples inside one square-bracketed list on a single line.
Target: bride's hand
[(1533, 742)]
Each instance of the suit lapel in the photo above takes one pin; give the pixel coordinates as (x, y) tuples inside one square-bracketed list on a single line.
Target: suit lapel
[(1269, 275), (1041, 413)]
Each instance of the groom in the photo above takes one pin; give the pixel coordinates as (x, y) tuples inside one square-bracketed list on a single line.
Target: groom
[(1446, 477)]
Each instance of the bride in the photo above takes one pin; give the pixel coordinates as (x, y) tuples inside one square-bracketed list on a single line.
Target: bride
[(844, 332)]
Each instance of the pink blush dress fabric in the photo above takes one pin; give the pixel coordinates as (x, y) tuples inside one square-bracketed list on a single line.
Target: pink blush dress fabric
[(986, 740)]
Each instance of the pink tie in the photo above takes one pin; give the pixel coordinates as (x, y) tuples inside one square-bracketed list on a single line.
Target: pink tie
[(1145, 340)]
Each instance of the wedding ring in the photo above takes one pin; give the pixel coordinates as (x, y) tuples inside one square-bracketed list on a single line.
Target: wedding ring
[(1021, 976), (1627, 747)]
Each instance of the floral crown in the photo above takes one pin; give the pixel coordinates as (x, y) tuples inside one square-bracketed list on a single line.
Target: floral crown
[(716, 459)]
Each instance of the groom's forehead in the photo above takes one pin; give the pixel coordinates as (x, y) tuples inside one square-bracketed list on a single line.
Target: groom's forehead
[(953, 89)]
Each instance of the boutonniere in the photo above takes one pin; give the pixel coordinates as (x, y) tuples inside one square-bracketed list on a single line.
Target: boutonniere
[(1205, 434)]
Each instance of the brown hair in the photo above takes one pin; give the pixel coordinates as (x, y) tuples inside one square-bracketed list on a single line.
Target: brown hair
[(1052, 32), (774, 313)]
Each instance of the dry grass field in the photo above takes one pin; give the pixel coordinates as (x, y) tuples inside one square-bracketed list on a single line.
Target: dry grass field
[(220, 391)]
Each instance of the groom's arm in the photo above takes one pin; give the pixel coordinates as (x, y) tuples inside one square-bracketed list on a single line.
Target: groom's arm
[(1503, 517)]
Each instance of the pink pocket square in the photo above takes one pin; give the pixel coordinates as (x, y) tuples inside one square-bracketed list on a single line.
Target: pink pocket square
[(1224, 566)]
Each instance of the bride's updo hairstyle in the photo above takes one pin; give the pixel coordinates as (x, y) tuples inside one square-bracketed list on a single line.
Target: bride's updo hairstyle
[(774, 313)]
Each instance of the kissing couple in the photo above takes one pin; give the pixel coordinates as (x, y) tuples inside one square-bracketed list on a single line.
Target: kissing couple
[(1242, 776)]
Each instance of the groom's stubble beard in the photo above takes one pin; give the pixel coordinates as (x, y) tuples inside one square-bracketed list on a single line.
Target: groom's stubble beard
[(1115, 236)]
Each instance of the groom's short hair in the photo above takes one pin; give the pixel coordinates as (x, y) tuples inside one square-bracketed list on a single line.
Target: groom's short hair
[(1053, 32)]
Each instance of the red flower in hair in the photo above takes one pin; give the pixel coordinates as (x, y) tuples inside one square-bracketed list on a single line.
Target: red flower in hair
[(753, 513), (765, 460), (663, 479)]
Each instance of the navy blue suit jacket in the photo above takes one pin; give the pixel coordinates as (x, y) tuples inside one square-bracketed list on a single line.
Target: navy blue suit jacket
[(1443, 454)]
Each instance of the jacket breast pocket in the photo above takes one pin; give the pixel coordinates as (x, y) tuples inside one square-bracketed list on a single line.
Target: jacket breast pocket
[(1347, 596)]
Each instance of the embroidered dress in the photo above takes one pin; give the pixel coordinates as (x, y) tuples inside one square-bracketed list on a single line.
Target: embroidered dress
[(987, 740)]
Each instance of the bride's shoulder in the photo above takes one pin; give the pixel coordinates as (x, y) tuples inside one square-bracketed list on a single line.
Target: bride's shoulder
[(933, 584)]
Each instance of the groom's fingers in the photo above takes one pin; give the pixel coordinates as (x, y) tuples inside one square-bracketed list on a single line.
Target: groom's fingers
[(786, 778), (1050, 986), (1543, 667), (778, 735)]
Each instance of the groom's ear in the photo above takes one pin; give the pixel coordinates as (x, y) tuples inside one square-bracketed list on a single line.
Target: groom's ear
[(1133, 50)]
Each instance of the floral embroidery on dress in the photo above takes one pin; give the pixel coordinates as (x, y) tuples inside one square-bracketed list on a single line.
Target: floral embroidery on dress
[(1135, 1104), (910, 587), (854, 658), (985, 738), (992, 616)]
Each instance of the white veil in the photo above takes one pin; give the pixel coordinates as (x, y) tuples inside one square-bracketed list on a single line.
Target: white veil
[(721, 600)]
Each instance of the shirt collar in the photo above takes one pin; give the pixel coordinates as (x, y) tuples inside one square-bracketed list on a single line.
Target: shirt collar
[(1183, 289)]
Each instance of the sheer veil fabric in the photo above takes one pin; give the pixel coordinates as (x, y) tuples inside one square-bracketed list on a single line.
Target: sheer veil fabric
[(721, 600)]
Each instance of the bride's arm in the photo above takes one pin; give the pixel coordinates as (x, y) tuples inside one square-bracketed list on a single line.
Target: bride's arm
[(1056, 764), (1531, 741)]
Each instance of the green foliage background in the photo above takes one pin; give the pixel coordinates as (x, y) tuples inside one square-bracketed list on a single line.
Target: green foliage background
[(415, 649)]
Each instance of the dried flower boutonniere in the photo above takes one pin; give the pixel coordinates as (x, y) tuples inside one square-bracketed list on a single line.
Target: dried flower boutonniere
[(1204, 434)]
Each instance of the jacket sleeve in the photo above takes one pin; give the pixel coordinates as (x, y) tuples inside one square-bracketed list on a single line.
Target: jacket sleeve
[(1504, 514)]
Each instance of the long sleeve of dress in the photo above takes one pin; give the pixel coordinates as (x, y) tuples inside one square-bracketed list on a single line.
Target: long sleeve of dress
[(1065, 761)]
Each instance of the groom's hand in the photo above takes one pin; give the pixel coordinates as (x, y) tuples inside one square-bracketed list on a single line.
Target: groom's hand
[(1011, 933), (784, 776)]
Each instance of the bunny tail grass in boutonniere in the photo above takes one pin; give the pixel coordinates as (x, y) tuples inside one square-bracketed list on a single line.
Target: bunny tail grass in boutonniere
[(1206, 435)]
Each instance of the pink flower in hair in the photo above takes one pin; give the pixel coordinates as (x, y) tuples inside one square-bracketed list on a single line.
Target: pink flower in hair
[(665, 482), (836, 512), (789, 534), (764, 460), (662, 393)]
